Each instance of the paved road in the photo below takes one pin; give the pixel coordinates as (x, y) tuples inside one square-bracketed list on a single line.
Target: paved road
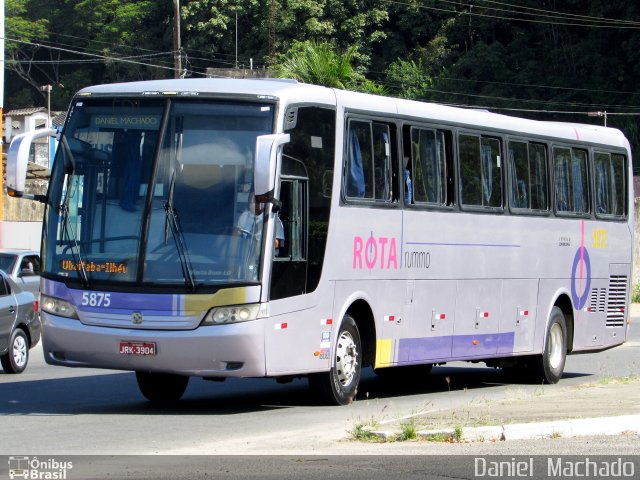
[(59, 411)]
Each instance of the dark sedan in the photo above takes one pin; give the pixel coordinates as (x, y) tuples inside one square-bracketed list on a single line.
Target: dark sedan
[(19, 325)]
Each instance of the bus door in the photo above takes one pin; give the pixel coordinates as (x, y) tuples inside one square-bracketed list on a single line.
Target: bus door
[(289, 271)]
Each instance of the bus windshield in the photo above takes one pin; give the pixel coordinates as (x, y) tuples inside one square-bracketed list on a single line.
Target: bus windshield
[(104, 224)]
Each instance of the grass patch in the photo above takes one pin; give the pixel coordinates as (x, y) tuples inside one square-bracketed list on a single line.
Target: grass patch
[(441, 437), (635, 294), (362, 431), (457, 433), (408, 431), (611, 380), (448, 436)]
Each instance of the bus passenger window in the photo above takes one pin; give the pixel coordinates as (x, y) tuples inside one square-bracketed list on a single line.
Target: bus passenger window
[(358, 159), (610, 188), (369, 165), (528, 176), (429, 180), (480, 171), (570, 180)]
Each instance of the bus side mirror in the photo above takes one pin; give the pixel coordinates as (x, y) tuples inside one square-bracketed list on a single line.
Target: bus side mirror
[(267, 166), (18, 159)]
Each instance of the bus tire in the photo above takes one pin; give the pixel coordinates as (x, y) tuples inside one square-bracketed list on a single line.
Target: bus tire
[(161, 387), (549, 366), (339, 385), (16, 359)]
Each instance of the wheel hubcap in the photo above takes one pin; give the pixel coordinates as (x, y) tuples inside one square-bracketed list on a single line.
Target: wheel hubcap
[(19, 351), (346, 359), (555, 346)]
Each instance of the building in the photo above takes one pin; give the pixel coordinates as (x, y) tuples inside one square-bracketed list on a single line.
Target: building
[(21, 224)]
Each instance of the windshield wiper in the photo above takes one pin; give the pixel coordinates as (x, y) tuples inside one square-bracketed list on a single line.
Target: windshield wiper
[(173, 222), (64, 212)]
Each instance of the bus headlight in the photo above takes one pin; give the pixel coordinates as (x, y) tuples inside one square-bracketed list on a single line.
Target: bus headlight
[(56, 306), (231, 314)]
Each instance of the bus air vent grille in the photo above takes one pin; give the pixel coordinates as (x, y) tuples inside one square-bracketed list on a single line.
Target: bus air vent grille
[(598, 300), (617, 300), (602, 300)]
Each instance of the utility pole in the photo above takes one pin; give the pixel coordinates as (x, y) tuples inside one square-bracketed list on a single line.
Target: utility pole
[(47, 88), (272, 27), (1, 107), (177, 56), (599, 114)]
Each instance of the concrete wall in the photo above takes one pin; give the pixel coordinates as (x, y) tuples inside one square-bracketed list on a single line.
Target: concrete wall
[(239, 73), (26, 123), (20, 235)]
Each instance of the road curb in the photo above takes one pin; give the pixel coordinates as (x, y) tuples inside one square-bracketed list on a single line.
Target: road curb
[(528, 431)]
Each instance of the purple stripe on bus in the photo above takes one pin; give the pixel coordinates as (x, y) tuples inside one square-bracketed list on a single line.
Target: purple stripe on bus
[(118, 302), (489, 344), (416, 349), (460, 346)]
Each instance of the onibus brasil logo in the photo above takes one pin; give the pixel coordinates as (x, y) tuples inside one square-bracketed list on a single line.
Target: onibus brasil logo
[(33, 468)]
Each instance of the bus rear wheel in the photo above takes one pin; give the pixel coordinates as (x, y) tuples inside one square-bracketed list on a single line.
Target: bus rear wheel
[(549, 366), (161, 387), (339, 385)]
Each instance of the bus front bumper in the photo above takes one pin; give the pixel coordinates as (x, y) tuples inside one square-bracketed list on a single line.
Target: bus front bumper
[(232, 350)]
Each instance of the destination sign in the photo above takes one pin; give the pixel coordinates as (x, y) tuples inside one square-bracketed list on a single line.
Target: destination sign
[(97, 267), (137, 122)]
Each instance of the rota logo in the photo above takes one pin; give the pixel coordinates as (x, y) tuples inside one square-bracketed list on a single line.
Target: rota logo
[(375, 251)]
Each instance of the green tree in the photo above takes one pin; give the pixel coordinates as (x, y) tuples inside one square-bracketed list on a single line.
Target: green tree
[(209, 31), (319, 64), (347, 23), (24, 31), (131, 31)]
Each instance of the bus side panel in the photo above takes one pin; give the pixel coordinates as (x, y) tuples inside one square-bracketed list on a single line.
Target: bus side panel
[(386, 298), (433, 314), (300, 332), (477, 319), (519, 299)]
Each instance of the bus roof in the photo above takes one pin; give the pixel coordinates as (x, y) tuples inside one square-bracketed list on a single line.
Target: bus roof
[(291, 91), (266, 89)]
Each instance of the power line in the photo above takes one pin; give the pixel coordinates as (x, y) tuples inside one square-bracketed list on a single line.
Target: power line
[(618, 24), (560, 14), (76, 52), (525, 85), (209, 60)]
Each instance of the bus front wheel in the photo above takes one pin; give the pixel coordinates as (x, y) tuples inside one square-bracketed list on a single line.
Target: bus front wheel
[(339, 385), (161, 387)]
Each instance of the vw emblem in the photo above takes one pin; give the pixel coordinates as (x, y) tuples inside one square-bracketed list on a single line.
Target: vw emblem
[(136, 318)]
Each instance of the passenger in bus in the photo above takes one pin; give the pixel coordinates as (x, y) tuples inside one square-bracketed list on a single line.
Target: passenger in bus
[(408, 192)]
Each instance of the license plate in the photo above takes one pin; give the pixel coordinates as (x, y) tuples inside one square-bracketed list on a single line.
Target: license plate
[(137, 348)]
